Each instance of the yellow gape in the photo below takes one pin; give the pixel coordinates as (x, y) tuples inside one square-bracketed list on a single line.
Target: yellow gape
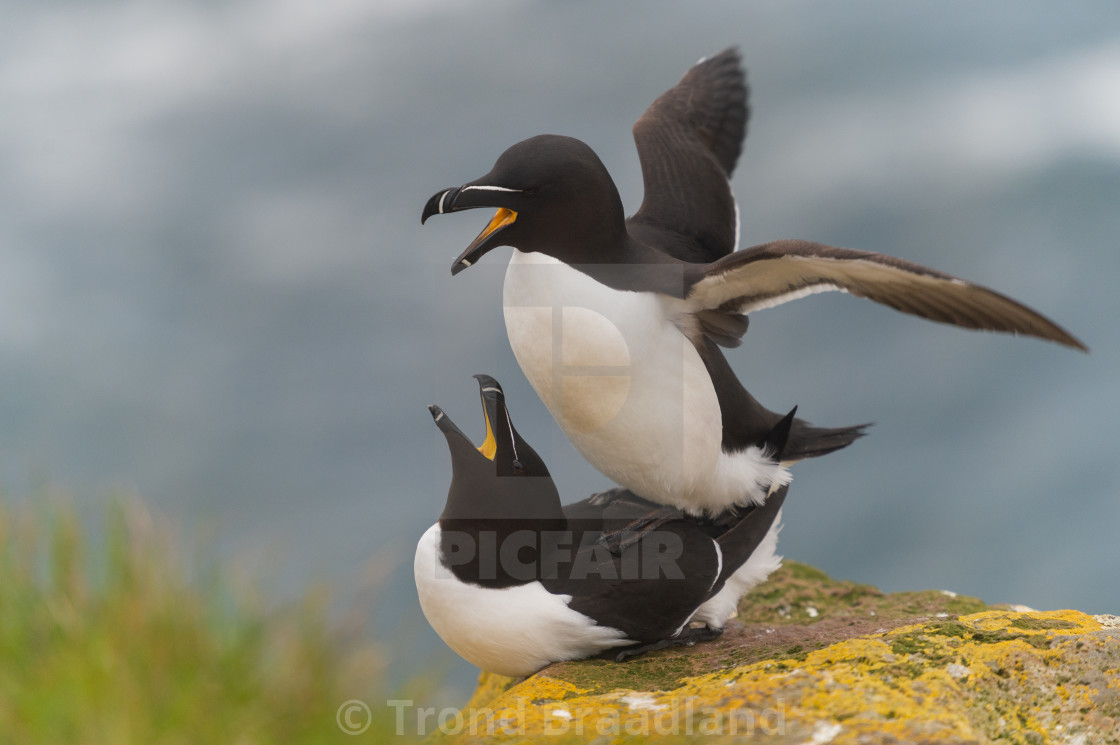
[(501, 218), (489, 446)]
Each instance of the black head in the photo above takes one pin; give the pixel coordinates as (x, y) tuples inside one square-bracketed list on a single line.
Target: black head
[(553, 195), (502, 479)]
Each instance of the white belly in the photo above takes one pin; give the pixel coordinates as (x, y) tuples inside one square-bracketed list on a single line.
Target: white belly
[(627, 387), (514, 631)]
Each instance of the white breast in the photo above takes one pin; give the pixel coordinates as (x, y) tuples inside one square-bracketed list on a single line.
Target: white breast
[(627, 387), (514, 631)]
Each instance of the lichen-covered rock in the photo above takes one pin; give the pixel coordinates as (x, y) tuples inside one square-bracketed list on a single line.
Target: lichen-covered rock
[(812, 660)]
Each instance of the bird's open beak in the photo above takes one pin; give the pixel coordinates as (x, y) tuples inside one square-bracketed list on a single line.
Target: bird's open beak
[(472, 196), (493, 406), (493, 409)]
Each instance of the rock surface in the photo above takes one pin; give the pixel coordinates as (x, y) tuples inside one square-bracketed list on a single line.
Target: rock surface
[(813, 660)]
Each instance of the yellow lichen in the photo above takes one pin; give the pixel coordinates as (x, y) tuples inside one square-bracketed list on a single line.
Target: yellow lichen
[(975, 678), (490, 686)]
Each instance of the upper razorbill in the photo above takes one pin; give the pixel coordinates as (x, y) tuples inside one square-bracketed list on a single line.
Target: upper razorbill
[(512, 581), (615, 321)]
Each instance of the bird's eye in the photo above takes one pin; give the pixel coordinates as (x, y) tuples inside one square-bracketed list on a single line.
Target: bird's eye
[(518, 468), (531, 191)]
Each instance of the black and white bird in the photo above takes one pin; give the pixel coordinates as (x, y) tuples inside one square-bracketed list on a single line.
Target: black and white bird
[(615, 321), (512, 581)]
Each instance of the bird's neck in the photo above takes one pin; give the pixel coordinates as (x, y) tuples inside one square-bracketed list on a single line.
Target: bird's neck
[(503, 547)]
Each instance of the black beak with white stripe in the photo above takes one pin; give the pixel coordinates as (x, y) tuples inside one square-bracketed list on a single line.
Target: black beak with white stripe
[(470, 196)]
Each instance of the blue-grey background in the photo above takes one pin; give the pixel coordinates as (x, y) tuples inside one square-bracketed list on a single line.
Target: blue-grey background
[(215, 290)]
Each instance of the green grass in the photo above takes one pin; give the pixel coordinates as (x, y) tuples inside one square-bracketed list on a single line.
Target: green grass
[(120, 644)]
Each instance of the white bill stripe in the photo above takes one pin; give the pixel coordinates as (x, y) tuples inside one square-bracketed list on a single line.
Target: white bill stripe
[(492, 188)]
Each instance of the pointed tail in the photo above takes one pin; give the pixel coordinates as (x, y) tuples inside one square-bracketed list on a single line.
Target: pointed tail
[(807, 441)]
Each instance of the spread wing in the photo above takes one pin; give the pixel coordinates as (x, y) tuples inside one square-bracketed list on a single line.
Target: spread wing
[(775, 273), (688, 142)]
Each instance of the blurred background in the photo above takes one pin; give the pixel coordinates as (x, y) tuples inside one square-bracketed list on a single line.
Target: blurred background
[(215, 290)]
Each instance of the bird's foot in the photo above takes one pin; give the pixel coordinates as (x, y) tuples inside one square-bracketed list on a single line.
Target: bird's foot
[(618, 540), (686, 638)]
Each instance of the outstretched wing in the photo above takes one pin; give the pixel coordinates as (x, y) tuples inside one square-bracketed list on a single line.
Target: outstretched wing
[(775, 273), (688, 141)]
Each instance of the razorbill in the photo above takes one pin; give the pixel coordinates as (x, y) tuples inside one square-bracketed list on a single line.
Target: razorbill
[(616, 321), (512, 581)]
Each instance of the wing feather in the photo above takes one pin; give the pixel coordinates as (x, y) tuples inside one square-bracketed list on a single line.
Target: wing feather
[(689, 140), (775, 273)]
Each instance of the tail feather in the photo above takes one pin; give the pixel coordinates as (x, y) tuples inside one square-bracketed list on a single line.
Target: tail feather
[(748, 423), (807, 441)]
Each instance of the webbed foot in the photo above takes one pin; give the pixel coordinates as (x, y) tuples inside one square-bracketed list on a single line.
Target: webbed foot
[(686, 638)]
